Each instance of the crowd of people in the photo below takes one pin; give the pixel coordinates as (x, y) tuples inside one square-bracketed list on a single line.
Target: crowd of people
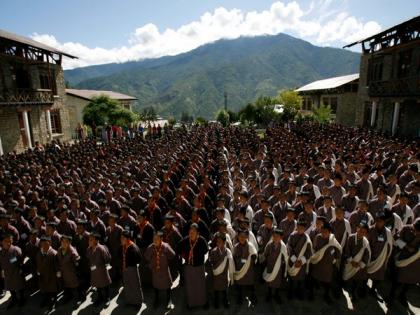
[(307, 207)]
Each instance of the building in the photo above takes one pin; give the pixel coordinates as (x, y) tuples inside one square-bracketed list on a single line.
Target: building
[(389, 84), (340, 93), (76, 100), (32, 92)]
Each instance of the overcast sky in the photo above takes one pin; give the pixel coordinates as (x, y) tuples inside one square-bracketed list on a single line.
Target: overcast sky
[(103, 31)]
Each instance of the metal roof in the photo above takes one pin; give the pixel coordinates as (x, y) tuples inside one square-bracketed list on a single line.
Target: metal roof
[(90, 94), (329, 83), (28, 41), (402, 24)]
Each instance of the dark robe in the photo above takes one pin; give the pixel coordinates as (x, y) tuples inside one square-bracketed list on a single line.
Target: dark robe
[(352, 248), (68, 262), (133, 292), (323, 271), (288, 227), (377, 240), (98, 258), (47, 267), (161, 275), (294, 246), (216, 258), (240, 255), (271, 253), (409, 274), (11, 264)]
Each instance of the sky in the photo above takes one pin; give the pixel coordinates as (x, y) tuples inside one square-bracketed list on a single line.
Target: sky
[(104, 31)]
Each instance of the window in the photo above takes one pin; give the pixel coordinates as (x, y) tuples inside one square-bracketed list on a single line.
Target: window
[(55, 121), (375, 69), (404, 63), (333, 104)]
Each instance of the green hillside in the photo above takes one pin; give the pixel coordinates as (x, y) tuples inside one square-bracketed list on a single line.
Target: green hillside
[(194, 82)]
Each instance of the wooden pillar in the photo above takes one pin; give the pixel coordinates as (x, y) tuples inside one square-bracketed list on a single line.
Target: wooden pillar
[(395, 118), (27, 128), (1, 148), (48, 112), (373, 114)]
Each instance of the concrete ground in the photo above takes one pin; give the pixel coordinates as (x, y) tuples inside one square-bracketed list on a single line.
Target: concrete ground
[(368, 306)]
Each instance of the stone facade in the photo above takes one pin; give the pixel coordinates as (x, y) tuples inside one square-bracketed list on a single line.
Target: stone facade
[(388, 84), (33, 87)]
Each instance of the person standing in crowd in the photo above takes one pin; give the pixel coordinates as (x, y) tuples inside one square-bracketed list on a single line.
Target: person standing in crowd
[(193, 249), (158, 256), (68, 262), (276, 259), (99, 258), (356, 256), (47, 268), (131, 257), (245, 256), (223, 268), (11, 261)]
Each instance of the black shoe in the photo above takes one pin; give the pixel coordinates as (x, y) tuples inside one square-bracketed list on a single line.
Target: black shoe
[(216, 303), (226, 304), (12, 304), (328, 299)]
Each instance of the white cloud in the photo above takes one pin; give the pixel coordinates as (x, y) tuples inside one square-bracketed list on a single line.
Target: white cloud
[(319, 24)]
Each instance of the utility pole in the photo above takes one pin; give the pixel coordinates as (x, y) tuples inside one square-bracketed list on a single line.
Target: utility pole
[(225, 95)]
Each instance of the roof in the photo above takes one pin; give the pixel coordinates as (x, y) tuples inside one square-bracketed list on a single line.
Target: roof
[(329, 83), (401, 25), (90, 94), (31, 42)]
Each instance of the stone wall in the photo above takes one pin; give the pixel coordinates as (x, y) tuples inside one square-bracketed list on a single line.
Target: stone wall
[(75, 106)]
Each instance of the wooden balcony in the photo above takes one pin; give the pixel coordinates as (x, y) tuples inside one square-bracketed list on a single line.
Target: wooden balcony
[(404, 87), (27, 97)]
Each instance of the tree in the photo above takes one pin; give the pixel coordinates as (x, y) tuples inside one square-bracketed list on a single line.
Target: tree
[(171, 121), (222, 116), (201, 121), (233, 116), (186, 118), (322, 114), (148, 114), (102, 110), (291, 101)]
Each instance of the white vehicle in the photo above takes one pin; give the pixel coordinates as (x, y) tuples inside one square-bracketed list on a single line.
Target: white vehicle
[(279, 108)]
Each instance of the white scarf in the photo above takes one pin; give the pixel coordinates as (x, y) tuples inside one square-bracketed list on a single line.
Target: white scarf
[(318, 255), (228, 259), (238, 275), (349, 270), (405, 262), (382, 259), (346, 234), (293, 271), (313, 223), (269, 277)]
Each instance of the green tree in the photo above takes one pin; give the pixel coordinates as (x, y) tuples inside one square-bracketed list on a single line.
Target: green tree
[(291, 101), (222, 116), (148, 114), (101, 110), (201, 121), (322, 114), (233, 116), (186, 118)]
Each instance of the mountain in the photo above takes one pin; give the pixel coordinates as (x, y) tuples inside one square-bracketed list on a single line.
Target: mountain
[(195, 82)]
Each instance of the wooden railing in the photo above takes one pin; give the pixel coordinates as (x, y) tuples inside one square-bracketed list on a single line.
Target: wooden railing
[(409, 86), (26, 97)]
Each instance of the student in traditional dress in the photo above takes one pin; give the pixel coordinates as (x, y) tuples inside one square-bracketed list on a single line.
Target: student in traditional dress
[(327, 252), (381, 242), (276, 259), (222, 264), (299, 248), (131, 257), (327, 210), (68, 261), (245, 257), (356, 256), (113, 242), (265, 232), (47, 268), (288, 224), (81, 244), (11, 261), (193, 249), (99, 258), (407, 262), (158, 256), (360, 215)]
